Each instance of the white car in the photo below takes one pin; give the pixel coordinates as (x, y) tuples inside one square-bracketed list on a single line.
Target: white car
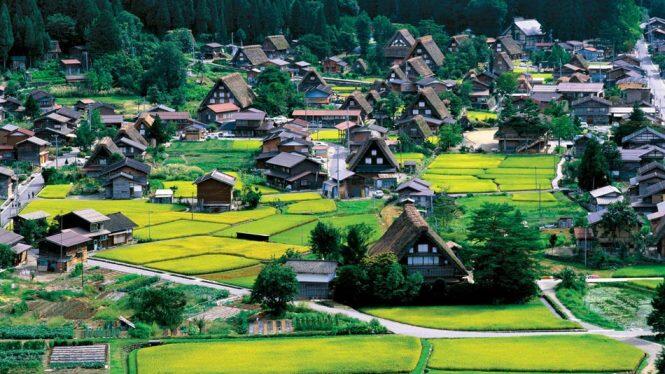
[(378, 194)]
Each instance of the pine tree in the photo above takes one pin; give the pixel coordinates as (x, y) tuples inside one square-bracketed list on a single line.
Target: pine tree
[(6, 34), (363, 32), (104, 36)]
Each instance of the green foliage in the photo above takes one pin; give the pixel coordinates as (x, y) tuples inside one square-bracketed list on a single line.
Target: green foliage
[(7, 256), (163, 305), (251, 196), (6, 33), (104, 34), (502, 244), (571, 280), (450, 136), (275, 287), (275, 92), (507, 83), (141, 331), (31, 105), (163, 131), (657, 317), (357, 243), (593, 169), (168, 70), (324, 241), (363, 31), (36, 332)]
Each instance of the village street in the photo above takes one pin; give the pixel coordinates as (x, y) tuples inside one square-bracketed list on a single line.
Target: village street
[(653, 75), (24, 194)]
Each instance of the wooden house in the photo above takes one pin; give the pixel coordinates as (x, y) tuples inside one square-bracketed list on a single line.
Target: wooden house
[(416, 128), (217, 112), (611, 241), (71, 66), (418, 191), (604, 196), (43, 98), (33, 150), (510, 46), (456, 41), (376, 163), (327, 117), (162, 196), (214, 191), (276, 46), (642, 137), (416, 69), (38, 216), (345, 184), (314, 277), (294, 171), (335, 65), (143, 125), (11, 134), (250, 123), (125, 179), (315, 89), (526, 32), (428, 105), (574, 91), (249, 56), (8, 183), (647, 188), (15, 242), (62, 251), (419, 248), (212, 51), (592, 110), (360, 66), (398, 46), (54, 50), (231, 89), (427, 48), (501, 63), (195, 133), (633, 159), (356, 100), (102, 156), (521, 135), (121, 229), (130, 141)]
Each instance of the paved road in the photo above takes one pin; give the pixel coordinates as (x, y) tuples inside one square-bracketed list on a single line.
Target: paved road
[(24, 195), (559, 174), (653, 75), (166, 276)]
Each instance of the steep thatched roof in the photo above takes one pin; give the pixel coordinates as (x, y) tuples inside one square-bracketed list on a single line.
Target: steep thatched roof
[(399, 51), (419, 67), (404, 232), (359, 100), (238, 87), (399, 73), (510, 45), (128, 130), (254, 54), (381, 144), (429, 45), (279, 42), (420, 123), (433, 99)]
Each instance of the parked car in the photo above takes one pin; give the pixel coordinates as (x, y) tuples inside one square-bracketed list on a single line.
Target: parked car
[(378, 194)]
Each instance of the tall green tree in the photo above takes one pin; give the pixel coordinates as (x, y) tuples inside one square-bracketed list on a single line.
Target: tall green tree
[(276, 94), (275, 287), (324, 241), (162, 305), (357, 243), (6, 34), (504, 268), (593, 170), (363, 32), (104, 35), (7, 256)]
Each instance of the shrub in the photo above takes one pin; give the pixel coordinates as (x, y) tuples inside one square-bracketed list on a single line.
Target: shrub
[(141, 331), (240, 322), (20, 308), (174, 172), (86, 186), (571, 280), (139, 283)]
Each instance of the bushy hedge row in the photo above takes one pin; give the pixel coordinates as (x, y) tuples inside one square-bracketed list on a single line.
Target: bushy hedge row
[(21, 355), (36, 332), (77, 364), (12, 345), (138, 283), (337, 324)]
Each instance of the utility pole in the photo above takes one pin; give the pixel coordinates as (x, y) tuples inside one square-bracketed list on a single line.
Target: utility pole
[(57, 149)]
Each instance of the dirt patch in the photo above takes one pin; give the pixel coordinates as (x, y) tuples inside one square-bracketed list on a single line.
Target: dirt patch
[(73, 309)]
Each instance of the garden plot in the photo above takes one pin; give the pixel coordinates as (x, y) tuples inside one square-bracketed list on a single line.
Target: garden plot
[(578, 353), (178, 229), (348, 354), (55, 191), (518, 317), (195, 245), (475, 173), (268, 226), (300, 235)]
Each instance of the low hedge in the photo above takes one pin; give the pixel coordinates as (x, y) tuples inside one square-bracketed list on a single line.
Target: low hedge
[(36, 332), (77, 364)]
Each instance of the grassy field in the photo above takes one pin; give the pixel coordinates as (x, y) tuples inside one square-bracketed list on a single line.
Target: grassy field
[(480, 116), (534, 197), (203, 264), (530, 316), (535, 213), (326, 135), (409, 156), (193, 246), (219, 154), (185, 189), (300, 235), (649, 284), (312, 207), (244, 277), (55, 191), (639, 271), (348, 354), (464, 173), (178, 229), (580, 353), (269, 225), (289, 197)]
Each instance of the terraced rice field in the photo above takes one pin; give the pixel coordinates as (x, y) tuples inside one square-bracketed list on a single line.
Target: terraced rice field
[(312, 207), (330, 135), (571, 353), (347, 354), (244, 277), (520, 317), (55, 191), (268, 226), (203, 264), (178, 229), (300, 235), (291, 196), (476, 173), (234, 155), (144, 253)]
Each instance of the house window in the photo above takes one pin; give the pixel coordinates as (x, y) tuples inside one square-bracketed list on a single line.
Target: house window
[(379, 161), (428, 112), (421, 104), (102, 161), (373, 152), (434, 249), (411, 250), (368, 161), (415, 112), (423, 248)]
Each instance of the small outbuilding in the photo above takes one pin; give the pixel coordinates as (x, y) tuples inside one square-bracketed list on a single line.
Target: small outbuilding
[(314, 277)]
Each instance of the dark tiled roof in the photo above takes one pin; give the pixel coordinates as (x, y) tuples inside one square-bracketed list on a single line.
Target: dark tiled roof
[(119, 222)]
